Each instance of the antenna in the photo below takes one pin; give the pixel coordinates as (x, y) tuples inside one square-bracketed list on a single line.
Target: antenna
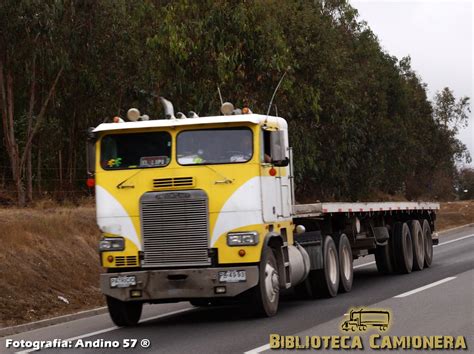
[(220, 95), (274, 92)]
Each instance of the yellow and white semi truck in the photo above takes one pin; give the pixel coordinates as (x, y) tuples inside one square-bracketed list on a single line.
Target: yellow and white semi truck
[(203, 210)]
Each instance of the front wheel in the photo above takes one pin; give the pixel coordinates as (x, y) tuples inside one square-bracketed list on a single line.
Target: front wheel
[(124, 313), (267, 292)]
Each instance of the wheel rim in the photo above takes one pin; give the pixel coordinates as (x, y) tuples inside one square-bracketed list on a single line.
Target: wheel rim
[(346, 263), (332, 266), (271, 282)]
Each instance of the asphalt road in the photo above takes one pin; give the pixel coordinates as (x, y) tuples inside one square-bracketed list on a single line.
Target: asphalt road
[(435, 301)]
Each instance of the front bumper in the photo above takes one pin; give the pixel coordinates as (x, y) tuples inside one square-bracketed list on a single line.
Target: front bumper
[(179, 283)]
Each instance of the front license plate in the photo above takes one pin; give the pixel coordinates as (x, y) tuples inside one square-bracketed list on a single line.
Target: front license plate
[(232, 276), (123, 281)]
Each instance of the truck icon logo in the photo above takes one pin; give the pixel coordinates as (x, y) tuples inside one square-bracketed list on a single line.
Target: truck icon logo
[(360, 320)]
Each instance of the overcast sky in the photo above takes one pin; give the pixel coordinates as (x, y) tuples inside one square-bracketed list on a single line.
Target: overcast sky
[(438, 35)]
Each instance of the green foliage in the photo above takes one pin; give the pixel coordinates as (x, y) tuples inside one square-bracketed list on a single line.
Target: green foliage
[(360, 121)]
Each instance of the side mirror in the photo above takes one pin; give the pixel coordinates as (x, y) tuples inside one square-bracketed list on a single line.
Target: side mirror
[(90, 151), (282, 163), (278, 148)]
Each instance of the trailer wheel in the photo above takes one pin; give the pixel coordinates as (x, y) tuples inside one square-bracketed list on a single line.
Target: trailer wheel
[(345, 264), (418, 244), (325, 282), (267, 292), (403, 250), (428, 243), (124, 313)]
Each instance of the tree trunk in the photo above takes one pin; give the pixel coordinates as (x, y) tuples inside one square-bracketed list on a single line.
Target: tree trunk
[(29, 178)]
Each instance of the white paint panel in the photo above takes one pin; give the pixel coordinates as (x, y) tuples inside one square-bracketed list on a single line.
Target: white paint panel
[(241, 209), (112, 217)]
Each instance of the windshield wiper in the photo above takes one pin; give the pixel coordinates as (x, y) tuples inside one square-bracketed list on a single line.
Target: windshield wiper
[(121, 186), (224, 181)]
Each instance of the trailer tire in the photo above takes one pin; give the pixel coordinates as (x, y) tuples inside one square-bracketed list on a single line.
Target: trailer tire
[(325, 282), (418, 244), (428, 243), (124, 313), (346, 267), (403, 250), (267, 292)]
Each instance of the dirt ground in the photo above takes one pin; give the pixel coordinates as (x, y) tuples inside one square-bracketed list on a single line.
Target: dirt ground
[(49, 264), (454, 214)]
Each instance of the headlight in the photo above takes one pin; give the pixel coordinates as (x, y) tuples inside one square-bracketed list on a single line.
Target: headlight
[(112, 244), (245, 238)]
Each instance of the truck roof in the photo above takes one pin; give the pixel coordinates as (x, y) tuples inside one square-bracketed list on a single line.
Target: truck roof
[(165, 123)]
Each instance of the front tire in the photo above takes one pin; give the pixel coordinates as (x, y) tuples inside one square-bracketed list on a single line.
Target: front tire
[(124, 313), (267, 292)]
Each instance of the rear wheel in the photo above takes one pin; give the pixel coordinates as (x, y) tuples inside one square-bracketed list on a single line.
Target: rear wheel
[(428, 243), (124, 313), (345, 264), (403, 250), (418, 244), (325, 282), (267, 292)]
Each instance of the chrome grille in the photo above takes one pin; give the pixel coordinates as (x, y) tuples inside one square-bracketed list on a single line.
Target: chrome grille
[(175, 228)]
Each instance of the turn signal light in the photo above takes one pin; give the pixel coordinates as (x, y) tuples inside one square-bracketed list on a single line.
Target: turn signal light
[(90, 182)]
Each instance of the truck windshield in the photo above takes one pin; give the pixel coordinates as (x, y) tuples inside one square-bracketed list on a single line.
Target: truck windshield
[(136, 150), (214, 146)]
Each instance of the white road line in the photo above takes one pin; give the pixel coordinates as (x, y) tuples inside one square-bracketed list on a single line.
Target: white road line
[(417, 290), (259, 349), (112, 328), (458, 239)]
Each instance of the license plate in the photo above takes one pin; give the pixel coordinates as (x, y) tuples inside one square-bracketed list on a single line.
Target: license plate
[(232, 276), (123, 281)]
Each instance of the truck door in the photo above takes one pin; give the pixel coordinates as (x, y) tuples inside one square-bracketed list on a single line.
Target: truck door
[(271, 196), (275, 182)]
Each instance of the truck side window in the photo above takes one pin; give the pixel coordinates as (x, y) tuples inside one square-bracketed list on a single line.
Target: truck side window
[(265, 157)]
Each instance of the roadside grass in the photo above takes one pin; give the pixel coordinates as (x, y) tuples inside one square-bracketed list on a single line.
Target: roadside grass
[(46, 253), (454, 214), (49, 251)]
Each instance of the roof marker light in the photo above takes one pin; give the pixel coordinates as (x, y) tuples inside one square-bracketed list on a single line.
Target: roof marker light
[(133, 114)]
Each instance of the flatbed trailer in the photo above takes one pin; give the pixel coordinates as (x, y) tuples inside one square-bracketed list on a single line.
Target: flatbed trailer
[(202, 209)]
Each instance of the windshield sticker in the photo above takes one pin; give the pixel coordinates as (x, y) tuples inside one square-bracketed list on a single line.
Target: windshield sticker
[(115, 162), (152, 161)]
